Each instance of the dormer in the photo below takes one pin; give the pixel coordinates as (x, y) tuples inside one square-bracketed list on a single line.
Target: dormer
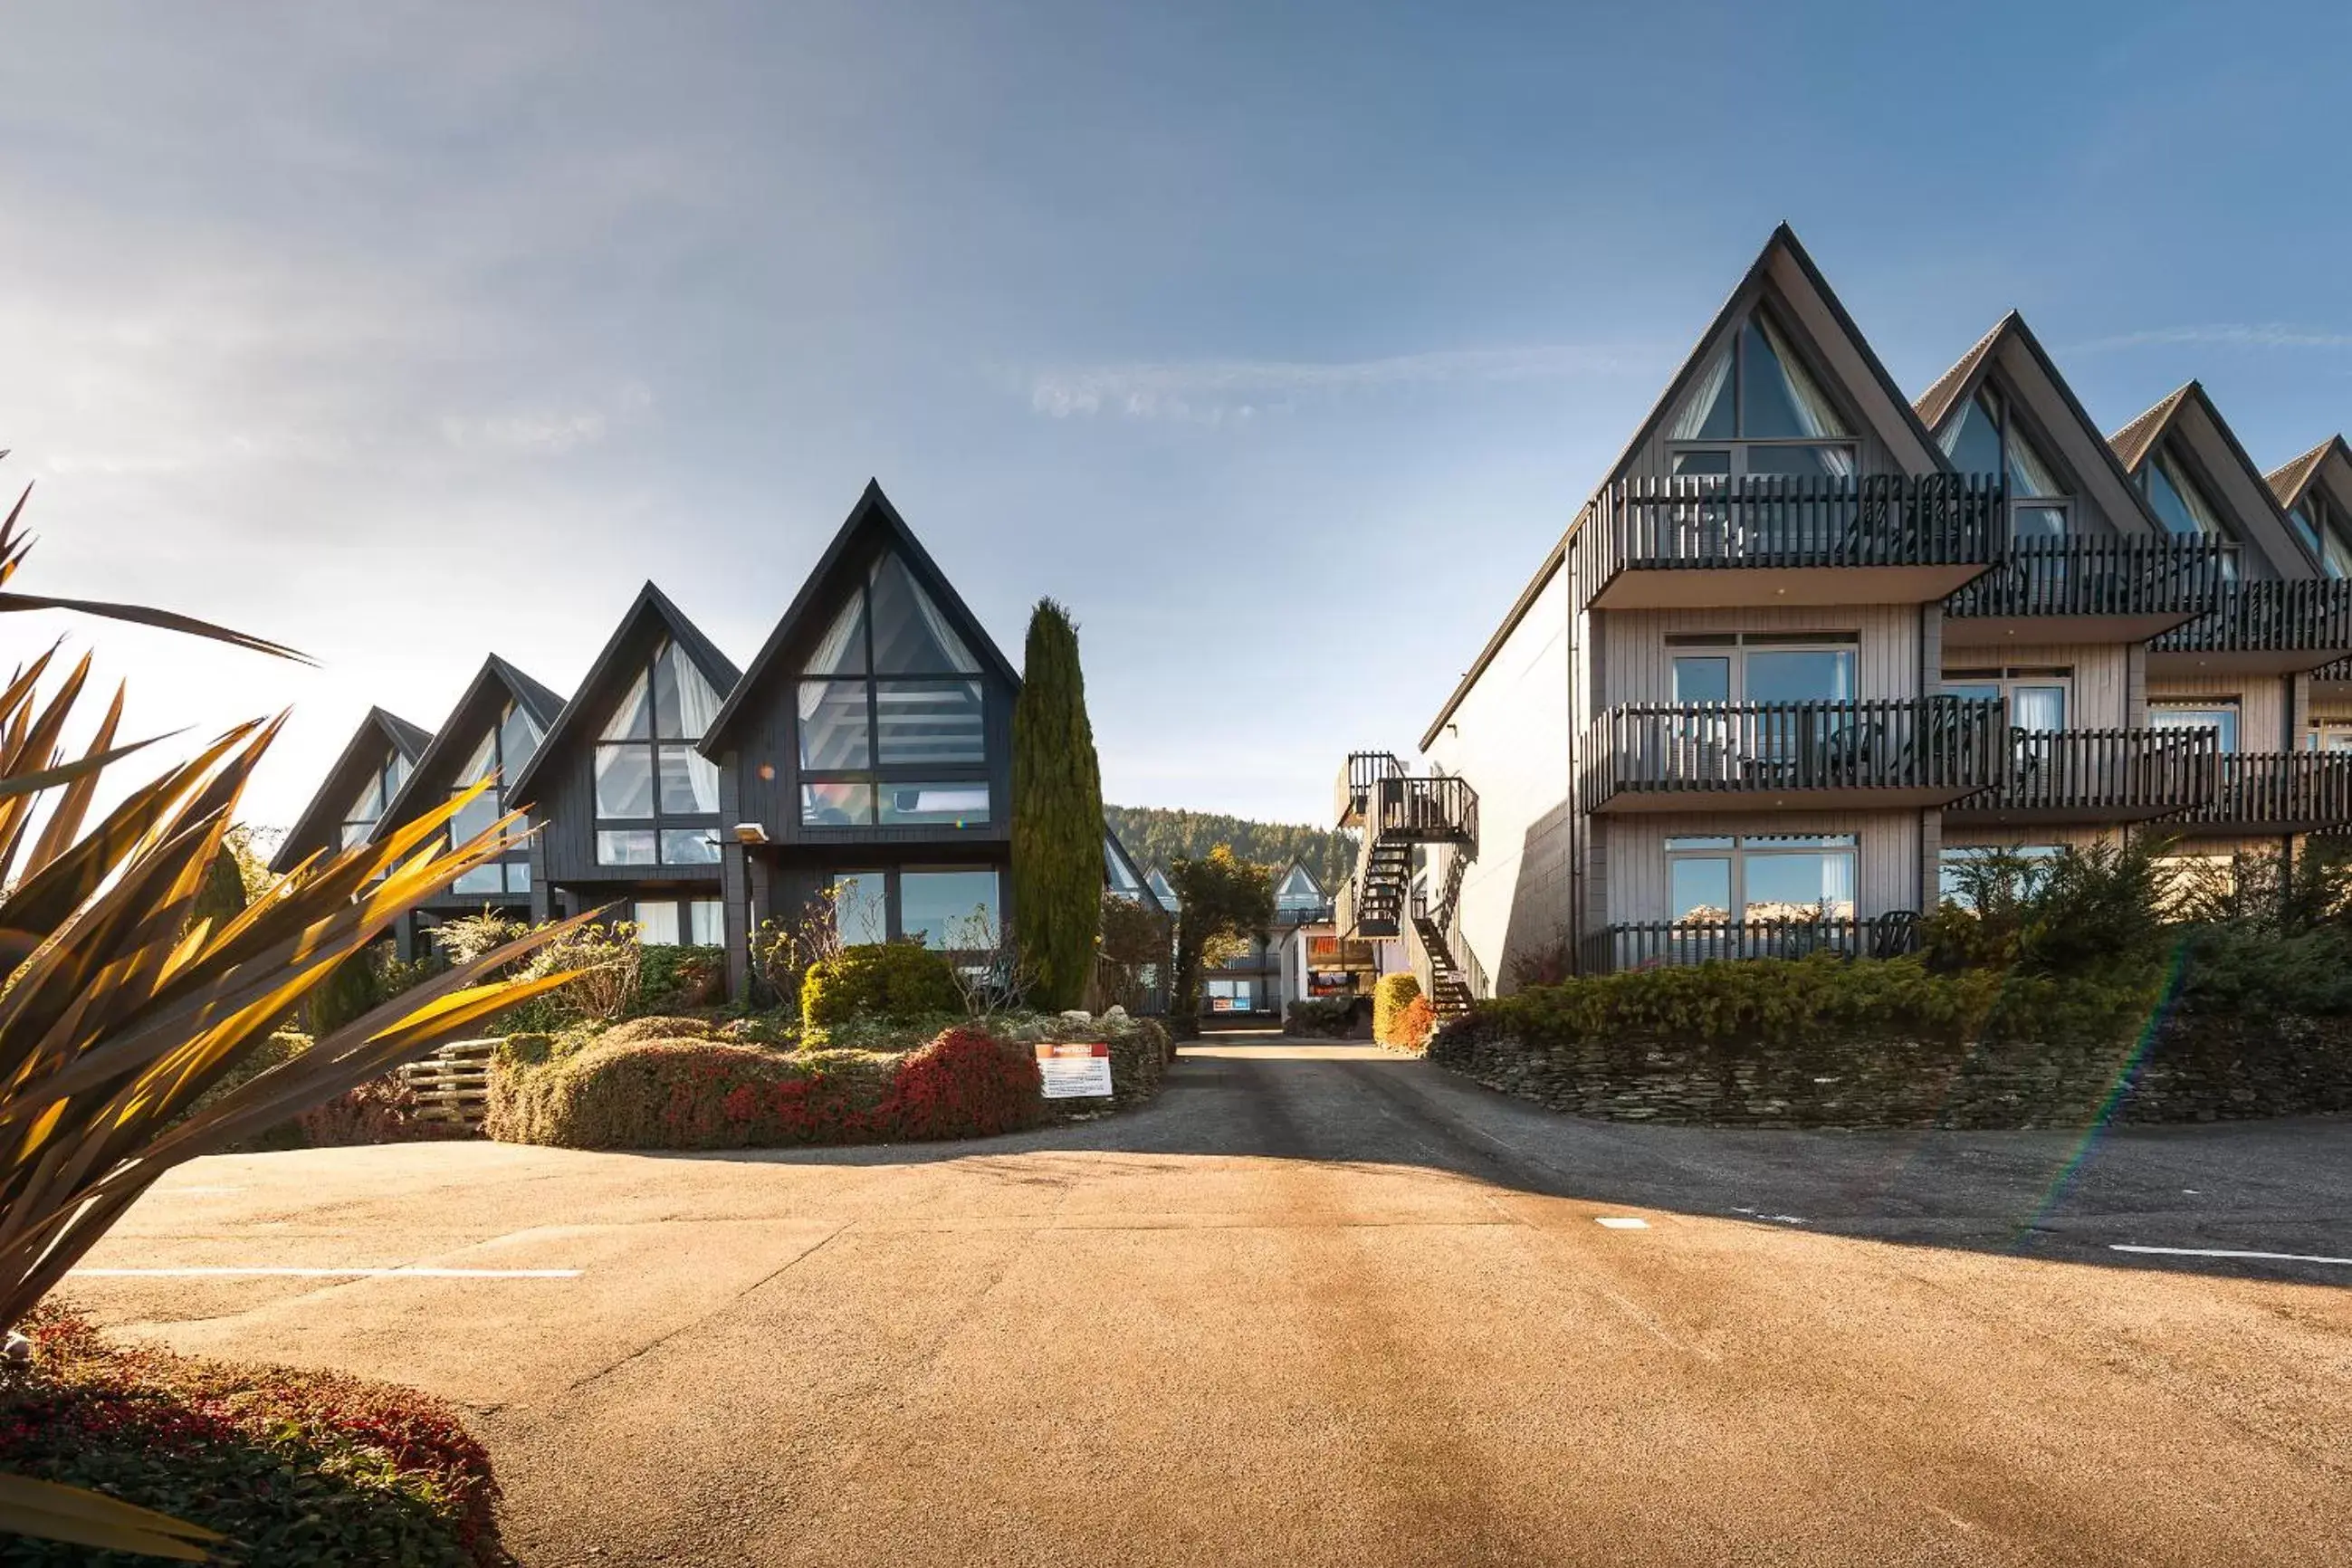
[(2199, 483), (2315, 491)]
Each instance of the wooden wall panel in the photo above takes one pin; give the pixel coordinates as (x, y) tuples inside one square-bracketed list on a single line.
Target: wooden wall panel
[(1640, 663), (2262, 712)]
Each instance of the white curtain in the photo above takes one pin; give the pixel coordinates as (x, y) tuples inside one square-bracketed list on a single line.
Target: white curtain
[(2028, 474), (827, 659), (1837, 885), (942, 635), (698, 702), (1819, 415), (1691, 417), (624, 717)]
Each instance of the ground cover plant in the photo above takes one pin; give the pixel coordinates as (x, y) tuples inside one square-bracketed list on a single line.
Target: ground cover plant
[(291, 1468)]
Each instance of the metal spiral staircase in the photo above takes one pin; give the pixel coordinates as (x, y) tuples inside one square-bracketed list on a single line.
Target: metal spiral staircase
[(1395, 811)]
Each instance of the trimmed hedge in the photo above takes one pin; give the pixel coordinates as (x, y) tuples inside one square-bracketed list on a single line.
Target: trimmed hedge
[(296, 1467), (1390, 998), (893, 980), (1321, 1017)]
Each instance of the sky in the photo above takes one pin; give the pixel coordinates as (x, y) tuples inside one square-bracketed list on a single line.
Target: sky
[(1279, 341)]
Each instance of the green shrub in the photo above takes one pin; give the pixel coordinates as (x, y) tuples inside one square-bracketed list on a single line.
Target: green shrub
[(285, 1045), (1389, 999), (348, 992), (895, 1036), (671, 979), (1325, 1017), (296, 1466), (2250, 972), (896, 980), (655, 1029)]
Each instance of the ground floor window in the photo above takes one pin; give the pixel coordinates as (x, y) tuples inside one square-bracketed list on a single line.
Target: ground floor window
[(1953, 864), (1231, 995), (675, 922), (2329, 735), (950, 907), (1760, 877)]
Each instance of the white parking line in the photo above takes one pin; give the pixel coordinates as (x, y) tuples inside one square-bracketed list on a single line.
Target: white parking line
[(1621, 1222), (2224, 1252), (403, 1271)]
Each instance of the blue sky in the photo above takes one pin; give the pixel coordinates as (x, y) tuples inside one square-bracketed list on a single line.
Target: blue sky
[(1278, 340)]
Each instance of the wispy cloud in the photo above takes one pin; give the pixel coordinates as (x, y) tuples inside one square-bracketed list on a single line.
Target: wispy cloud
[(544, 431), (2224, 334), (1216, 391)]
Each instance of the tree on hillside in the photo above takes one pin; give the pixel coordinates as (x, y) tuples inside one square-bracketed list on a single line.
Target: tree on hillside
[(1157, 835), (1058, 814), (1224, 902)]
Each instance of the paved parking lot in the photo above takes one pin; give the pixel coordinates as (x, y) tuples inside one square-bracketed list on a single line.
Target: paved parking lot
[(1319, 1304)]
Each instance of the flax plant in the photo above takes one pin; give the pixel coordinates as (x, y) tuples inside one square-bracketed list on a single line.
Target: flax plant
[(120, 1003)]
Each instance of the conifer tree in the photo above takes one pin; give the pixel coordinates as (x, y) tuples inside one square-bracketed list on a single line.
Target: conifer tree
[(1058, 814)]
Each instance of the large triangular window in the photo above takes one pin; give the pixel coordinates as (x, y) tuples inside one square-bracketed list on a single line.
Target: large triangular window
[(497, 756), (657, 794), (2326, 529), (1757, 409), (893, 726), (1984, 436)]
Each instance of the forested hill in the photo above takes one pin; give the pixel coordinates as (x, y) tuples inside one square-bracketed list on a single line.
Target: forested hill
[(1156, 835)]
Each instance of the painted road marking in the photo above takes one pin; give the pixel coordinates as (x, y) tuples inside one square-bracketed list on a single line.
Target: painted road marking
[(403, 1271), (1622, 1222), (2224, 1252)]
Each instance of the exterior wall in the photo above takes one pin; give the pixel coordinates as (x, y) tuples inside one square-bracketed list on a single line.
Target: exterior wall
[(2264, 708), (2102, 676), (1888, 873), (1510, 739), (1639, 663)]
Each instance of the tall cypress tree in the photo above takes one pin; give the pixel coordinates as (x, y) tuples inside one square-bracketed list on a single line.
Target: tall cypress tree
[(1058, 814)]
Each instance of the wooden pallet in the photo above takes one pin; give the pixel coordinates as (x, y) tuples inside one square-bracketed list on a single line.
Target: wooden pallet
[(453, 1084)]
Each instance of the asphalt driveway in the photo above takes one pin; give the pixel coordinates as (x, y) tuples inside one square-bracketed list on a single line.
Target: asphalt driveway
[(1322, 1305)]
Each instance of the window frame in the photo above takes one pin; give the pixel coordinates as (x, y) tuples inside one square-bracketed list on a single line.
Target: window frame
[(878, 775), (2229, 737), (2008, 424), (1736, 445), (894, 925), (660, 823), (2007, 680), (1736, 646), (1739, 849), (514, 865), (682, 906)]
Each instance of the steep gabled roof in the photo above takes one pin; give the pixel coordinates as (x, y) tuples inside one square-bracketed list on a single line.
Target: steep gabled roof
[(2090, 450), (541, 703), (1115, 847), (2190, 410), (872, 514), (379, 733), (651, 604), (2291, 478), (1304, 870), (1786, 265)]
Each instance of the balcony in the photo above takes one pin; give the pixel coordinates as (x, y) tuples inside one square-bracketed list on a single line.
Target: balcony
[(2096, 775), (1889, 753), (2089, 589), (1706, 543), (1357, 775), (1654, 944), (2276, 792), (2261, 629), (1395, 811)]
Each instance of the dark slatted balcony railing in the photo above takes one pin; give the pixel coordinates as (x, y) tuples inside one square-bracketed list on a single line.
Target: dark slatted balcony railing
[(1395, 811), (2091, 774), (1356, 777), (1767, 523), (1927, 748), (2279, 792), (2312, 616), (1651, 944), (2115, 576)]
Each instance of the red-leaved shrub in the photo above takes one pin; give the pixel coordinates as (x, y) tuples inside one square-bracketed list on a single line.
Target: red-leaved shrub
[(381, 1111), (1414, 1023), (964, 1084)]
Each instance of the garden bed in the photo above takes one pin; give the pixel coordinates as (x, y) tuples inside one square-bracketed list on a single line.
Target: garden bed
[(294, 1467)]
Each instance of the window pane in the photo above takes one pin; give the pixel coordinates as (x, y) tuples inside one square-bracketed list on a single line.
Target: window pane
[(833, 725), (2179, 502), (860, 913), (843, 651), (1975, 690), (910, 636), (517, 876), (632, 719), (2041, 708), (949, 908), (689, 846), (2222, 718), (963, 804), (657, 924), (1707, 414), (475, 817), (1801, 886), (689, 783), (353, 833), (923, 724), (478, 765), (1699, 889), (1702, 679), (481, 879), (395, 774), (624, 781), (836, 805), (2030, 474), (1777, 398), (2038, 521), (631, 847), (518, 739), (1972, 439), (706, 923), (683, 703), (1705, 464), (1800, 675), (370, 804), (1804, 462)]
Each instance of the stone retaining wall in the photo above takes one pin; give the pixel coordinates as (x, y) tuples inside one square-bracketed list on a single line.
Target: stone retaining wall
[(2194, 1069)]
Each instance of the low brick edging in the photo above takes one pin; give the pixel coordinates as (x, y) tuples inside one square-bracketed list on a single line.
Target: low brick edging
[(2202, 1069)]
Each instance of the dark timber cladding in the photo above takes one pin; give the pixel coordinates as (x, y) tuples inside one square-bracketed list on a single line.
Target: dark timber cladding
[(869, 739), (373, 765), (623, 801)]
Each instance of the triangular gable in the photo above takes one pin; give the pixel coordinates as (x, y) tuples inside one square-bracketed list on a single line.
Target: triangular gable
[(2324, 471), (2290, 480), (2016, 356), (493, 685), (872, 524), (1833, 348), (650, 608), (1297, 880), (380, 736), (1162, 888), (1123, 876), (2233, 483)]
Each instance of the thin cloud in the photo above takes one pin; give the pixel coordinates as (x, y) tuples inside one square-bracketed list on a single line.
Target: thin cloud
[(2225, 334), (1215, 391)]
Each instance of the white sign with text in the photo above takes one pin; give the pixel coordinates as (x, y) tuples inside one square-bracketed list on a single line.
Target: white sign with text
[(1074, 1070)]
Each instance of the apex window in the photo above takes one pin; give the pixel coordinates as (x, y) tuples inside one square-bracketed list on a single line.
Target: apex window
[(360, 816), (498, 756), (2181, 503), (656, 796), (1987, 437), (892, 718), (2327, 529), (1755, 410)]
